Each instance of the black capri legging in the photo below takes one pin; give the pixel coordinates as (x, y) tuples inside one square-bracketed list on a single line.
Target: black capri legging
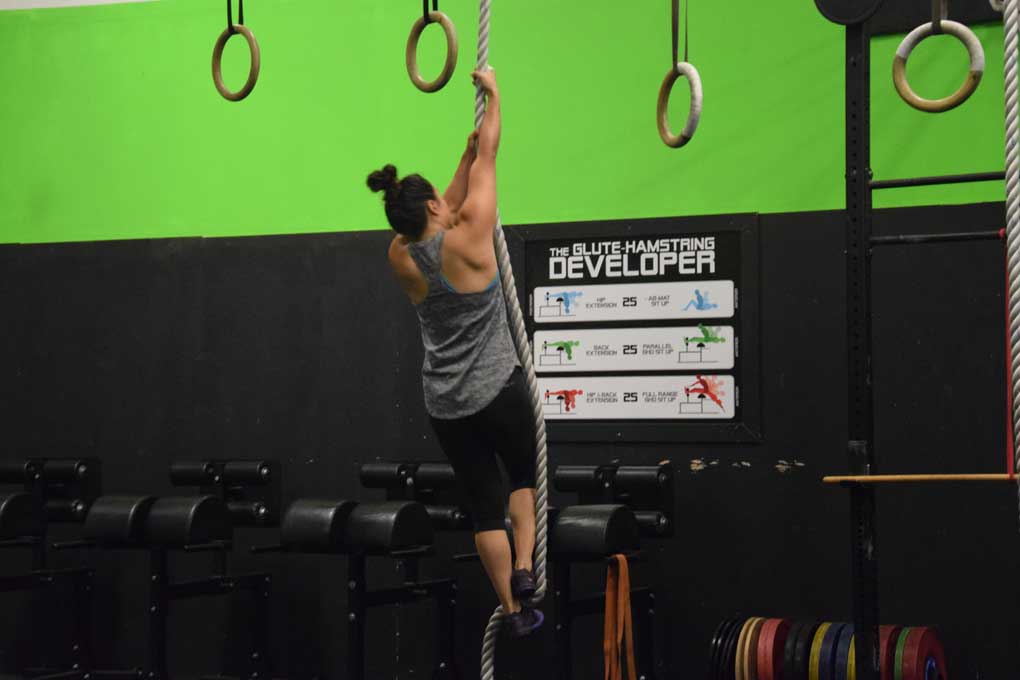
[(506, 427)]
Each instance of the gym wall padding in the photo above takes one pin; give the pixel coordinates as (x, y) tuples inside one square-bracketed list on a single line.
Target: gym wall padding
[(111, 127), (296, 347)]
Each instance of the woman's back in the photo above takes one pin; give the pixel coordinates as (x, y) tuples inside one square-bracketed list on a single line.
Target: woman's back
[(469, 353)]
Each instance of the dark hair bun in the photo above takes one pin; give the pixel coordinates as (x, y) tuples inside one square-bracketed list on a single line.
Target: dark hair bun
[(383, 180)]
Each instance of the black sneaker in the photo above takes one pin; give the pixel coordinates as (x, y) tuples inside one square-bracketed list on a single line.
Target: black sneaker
[(525, 622), (522, 584)]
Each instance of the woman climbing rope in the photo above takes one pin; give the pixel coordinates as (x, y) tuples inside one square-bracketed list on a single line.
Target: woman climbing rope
[(475, 392)]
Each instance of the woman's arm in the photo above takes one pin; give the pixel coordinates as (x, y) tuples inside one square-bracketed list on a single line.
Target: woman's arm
[(478, 214), (457, 191)]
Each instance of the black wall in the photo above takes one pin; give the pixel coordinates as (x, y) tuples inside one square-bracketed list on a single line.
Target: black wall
[(300, 348)]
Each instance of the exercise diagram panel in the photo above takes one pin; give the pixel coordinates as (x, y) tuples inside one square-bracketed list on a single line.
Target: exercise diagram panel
[(705, 347), (638, 326), (682, 397), (634, 302)]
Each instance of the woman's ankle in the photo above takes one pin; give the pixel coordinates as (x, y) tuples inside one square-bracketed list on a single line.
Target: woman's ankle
[(526, 566)]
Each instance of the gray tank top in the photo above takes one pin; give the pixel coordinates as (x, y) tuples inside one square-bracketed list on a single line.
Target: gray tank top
[(469, 354)]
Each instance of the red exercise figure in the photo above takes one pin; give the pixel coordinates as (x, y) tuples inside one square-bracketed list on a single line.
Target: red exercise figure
[(706, 387), (569, 398)]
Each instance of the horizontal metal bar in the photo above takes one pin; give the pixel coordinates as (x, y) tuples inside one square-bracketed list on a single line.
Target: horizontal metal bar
[(216, 585), (409, 592), (24, 542), (421, 551), (212, 546), (73, 545), (39, 579), (64, 675), (914, 479), (943, 179), (909, 239)]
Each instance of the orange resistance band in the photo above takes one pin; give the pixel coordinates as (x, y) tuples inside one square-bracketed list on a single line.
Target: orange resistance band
[(618, 626)]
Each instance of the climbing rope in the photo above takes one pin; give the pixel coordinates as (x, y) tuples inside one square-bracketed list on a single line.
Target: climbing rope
[(1010, 16), (520, 333)]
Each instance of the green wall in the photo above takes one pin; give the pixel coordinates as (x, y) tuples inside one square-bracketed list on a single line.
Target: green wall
[(110, 127)]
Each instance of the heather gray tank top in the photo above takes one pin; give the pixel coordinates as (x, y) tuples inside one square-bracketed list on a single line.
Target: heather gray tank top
[(469, 354)]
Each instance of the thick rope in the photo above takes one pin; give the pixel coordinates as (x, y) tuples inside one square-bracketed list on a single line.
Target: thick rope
[(520, 333), (1011, 13)]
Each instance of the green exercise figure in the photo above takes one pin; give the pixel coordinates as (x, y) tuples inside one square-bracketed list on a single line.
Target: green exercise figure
[(708, 335), (566, 346)]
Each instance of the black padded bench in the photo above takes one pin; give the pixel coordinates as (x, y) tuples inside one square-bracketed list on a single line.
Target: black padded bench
[(400, 530)]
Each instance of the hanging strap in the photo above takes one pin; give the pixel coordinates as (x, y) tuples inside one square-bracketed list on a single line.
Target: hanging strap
[(425, 9), (240, 16), (676, 31), (618, 631), (939, 13)]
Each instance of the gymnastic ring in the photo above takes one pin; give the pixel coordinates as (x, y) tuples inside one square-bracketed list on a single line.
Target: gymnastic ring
[(977, 67), (687, 70), (253, 72), (411, 54)]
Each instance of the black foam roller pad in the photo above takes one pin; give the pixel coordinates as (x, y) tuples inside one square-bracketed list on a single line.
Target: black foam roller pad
[(192, 473), (17, 471), (247, 472), (64, 471), (177, 521), (448, 517), (577, 478), (20, 516), (246, 513), (594, 531), (652, 523), (118, 521), (66, 510), (316, 526), (379, 528), (435, 476), (639, 480), (384, 475)]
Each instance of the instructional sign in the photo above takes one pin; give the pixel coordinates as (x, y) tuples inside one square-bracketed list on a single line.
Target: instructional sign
[(634, 302), (637, 327), (672, 348), (696, 397)]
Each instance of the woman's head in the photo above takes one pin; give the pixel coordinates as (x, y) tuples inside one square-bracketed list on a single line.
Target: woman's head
[(410, 202)]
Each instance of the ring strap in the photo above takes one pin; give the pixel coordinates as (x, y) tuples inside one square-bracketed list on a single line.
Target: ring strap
[(939, 13), (676, 30), (240, 16)]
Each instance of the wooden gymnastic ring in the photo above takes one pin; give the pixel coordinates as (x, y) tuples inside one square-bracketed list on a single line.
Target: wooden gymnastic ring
[(411, 55), (693, 117), (977, 67), (253, 72)]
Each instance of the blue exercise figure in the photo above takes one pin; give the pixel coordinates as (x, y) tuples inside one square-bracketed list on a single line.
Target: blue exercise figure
[(566, 298), (702, 304)]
